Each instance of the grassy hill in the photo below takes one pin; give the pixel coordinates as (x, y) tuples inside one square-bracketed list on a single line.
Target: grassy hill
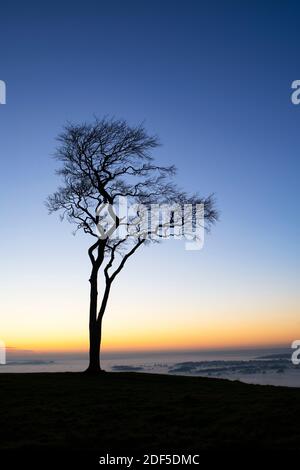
[(144, 412)]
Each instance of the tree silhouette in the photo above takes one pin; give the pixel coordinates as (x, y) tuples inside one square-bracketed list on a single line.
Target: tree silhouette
[(101, 163)]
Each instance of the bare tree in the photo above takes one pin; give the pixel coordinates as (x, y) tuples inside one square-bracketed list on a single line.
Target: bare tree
[(101, 162)]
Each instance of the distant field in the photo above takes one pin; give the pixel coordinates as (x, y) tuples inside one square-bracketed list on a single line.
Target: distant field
[(144, 412)]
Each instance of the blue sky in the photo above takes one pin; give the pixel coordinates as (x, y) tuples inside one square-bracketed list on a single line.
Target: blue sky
[(213, 80)]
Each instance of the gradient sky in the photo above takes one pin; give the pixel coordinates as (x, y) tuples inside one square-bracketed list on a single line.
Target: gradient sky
[(213, 80)]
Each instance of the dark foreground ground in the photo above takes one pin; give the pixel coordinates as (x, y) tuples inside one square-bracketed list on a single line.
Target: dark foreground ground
[(143, 412)]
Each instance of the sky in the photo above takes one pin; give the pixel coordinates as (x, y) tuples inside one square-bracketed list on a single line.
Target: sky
[(213, 80)]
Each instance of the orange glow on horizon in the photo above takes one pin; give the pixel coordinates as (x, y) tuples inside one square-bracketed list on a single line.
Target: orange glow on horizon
[(240, 333)]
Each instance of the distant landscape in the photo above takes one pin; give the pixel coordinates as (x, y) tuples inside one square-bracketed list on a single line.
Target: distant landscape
[(257, 366)]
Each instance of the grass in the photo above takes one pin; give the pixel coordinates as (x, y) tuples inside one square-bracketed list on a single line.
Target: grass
[(141, 412)]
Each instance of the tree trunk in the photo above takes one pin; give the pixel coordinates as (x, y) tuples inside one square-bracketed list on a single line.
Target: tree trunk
[(94, 353), (95, 324), (94, 327)]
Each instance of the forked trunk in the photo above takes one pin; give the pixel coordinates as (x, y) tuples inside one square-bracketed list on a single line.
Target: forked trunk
[(95, 327)]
